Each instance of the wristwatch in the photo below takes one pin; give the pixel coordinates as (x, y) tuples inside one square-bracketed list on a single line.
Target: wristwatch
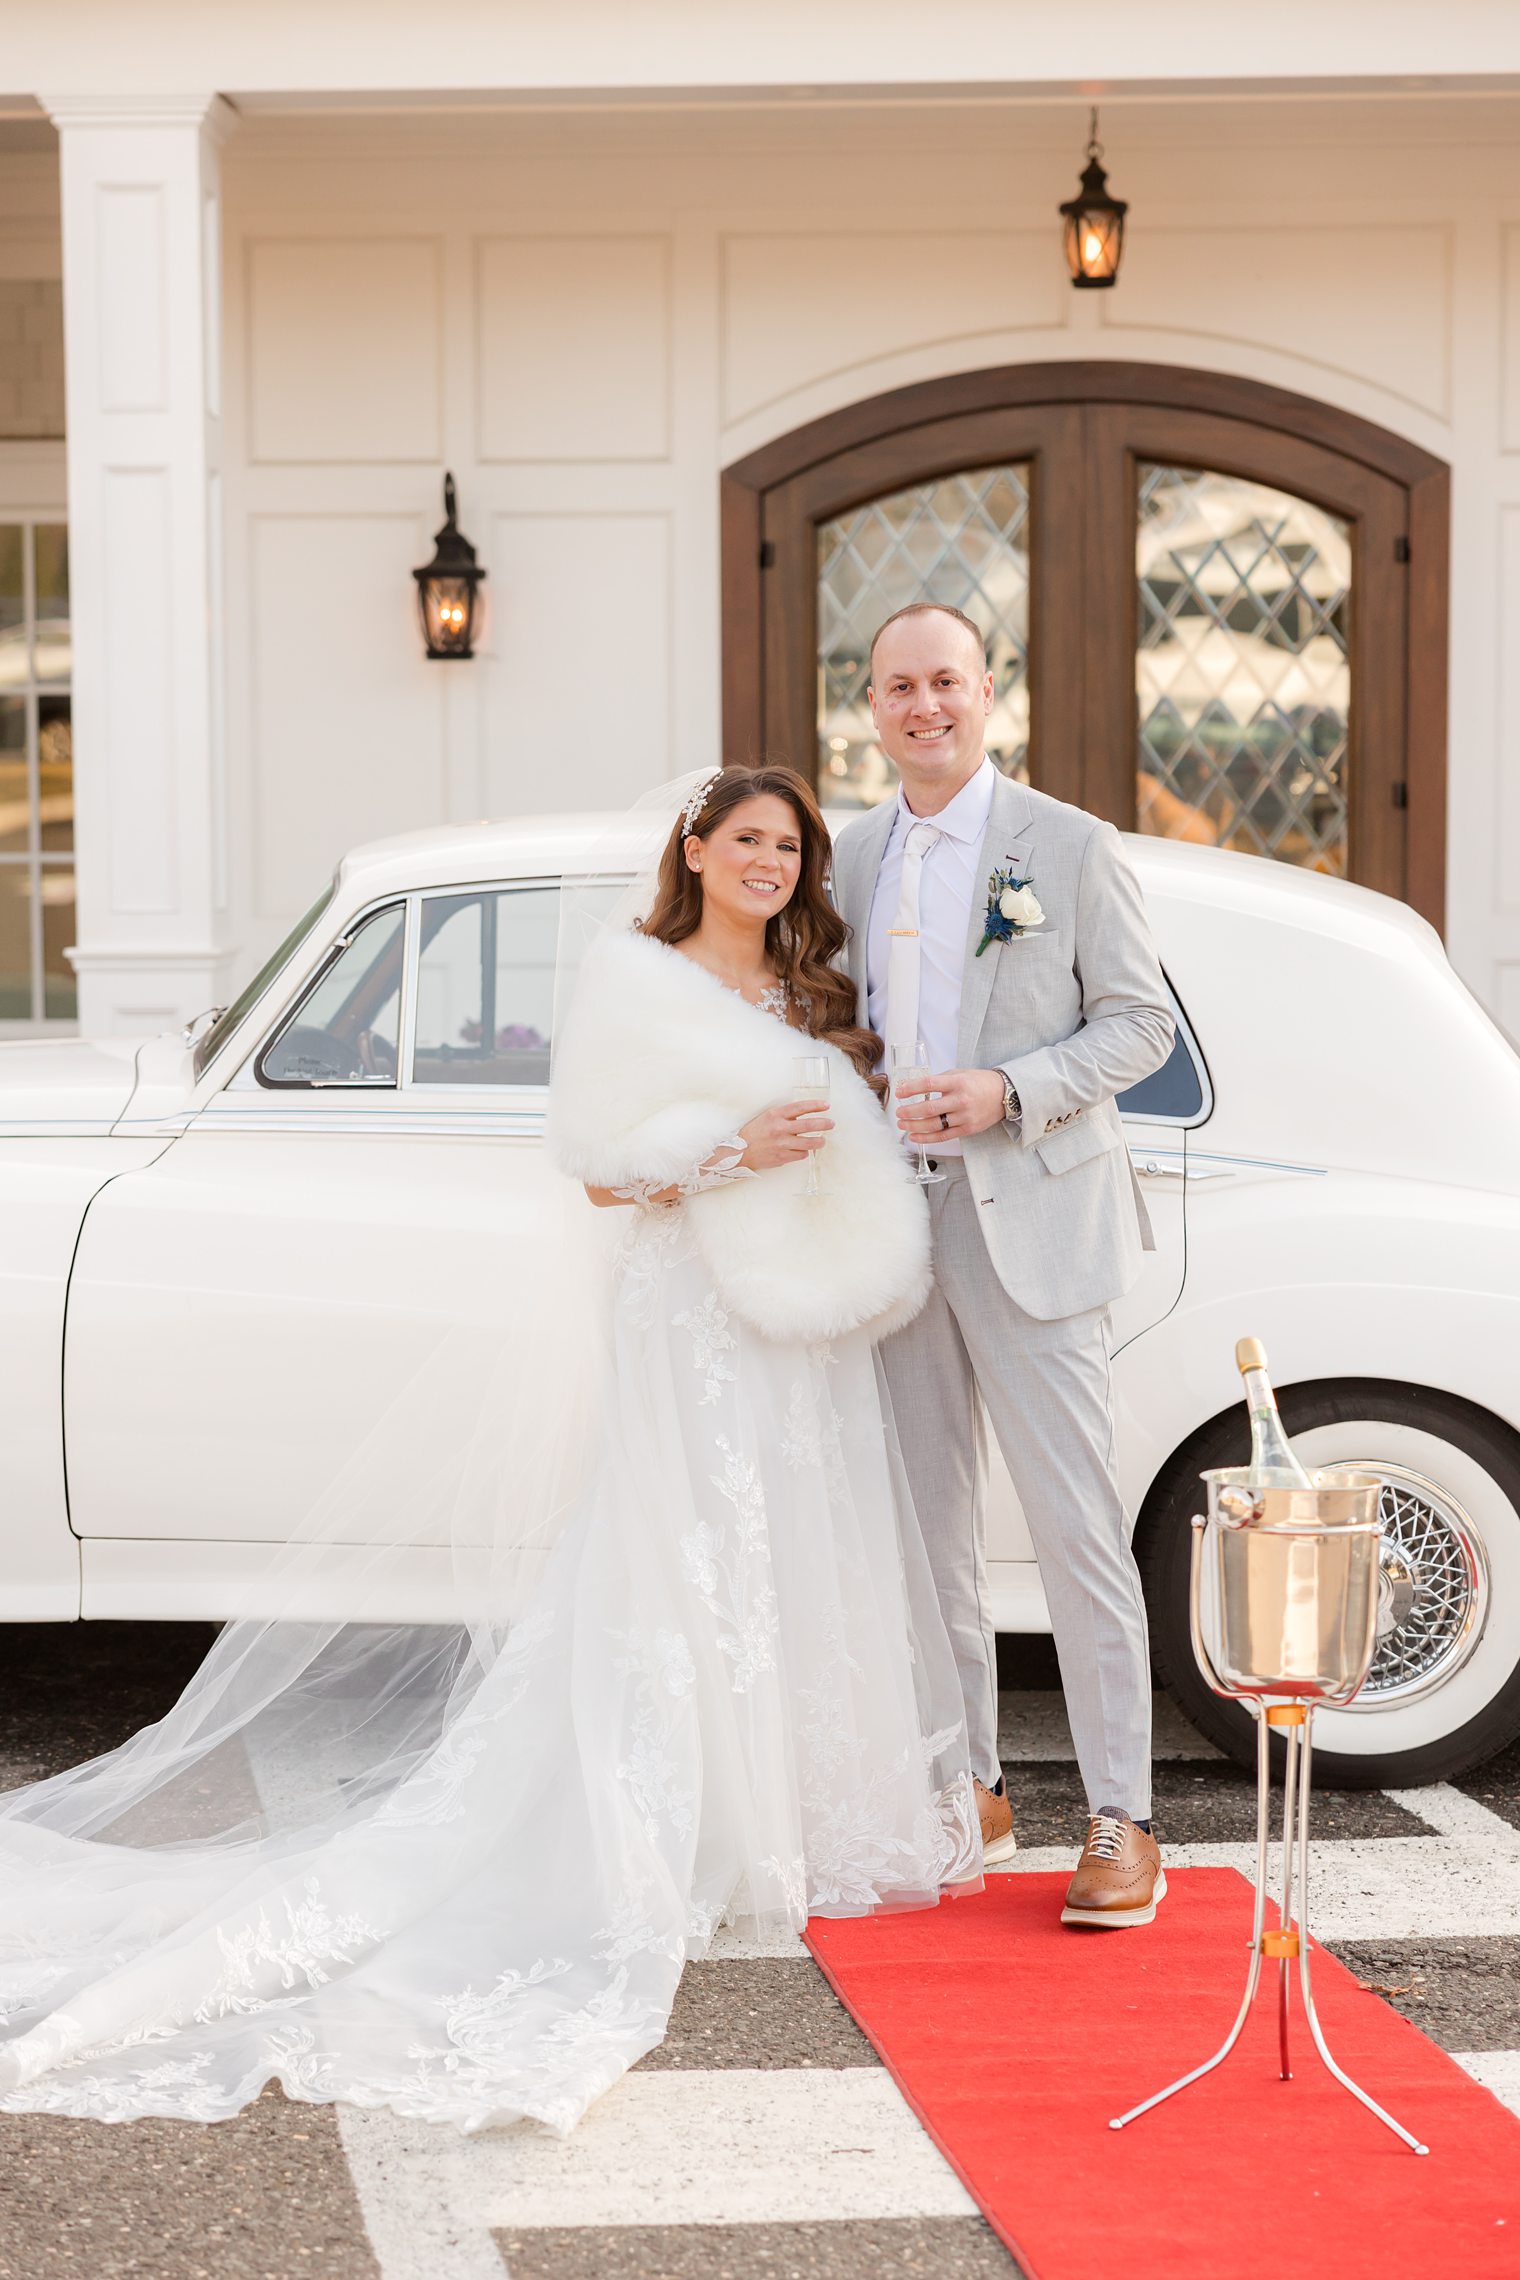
[(1013, 1111)]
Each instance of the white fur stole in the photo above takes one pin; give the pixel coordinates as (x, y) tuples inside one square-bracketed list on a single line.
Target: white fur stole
[(657, 1063)]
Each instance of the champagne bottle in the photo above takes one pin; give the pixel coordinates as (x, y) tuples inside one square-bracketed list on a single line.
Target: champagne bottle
[(1273, 1464)]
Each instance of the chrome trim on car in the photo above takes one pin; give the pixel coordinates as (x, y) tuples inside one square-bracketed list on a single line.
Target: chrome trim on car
[(388, 1120), (208, 1013), (1198, 1158), (411, 955)]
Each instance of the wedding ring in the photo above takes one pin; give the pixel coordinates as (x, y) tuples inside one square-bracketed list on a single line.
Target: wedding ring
[(944, 1121)]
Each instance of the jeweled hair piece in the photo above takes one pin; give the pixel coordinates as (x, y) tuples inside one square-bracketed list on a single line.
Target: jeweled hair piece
[(697, 803)]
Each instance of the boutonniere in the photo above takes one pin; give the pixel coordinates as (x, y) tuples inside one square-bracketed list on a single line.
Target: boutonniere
[(1013, 908)]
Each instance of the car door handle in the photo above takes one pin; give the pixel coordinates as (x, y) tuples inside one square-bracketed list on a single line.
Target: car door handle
[(1149, 1169)]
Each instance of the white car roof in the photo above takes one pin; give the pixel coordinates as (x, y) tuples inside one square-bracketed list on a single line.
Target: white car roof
[(543, 846), (1329, 1015)]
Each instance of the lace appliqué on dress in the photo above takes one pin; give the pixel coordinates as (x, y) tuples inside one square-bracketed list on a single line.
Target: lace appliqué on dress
[(665, 1671), (777, 1000), (712, 1342), (719, 1169), (731, 1570), (177, 2087), (812, 1424), (258, 1954), (652, 1241)]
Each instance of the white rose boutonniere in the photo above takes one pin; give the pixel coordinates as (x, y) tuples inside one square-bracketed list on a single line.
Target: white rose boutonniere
[(1013, 908), (1021, 906)]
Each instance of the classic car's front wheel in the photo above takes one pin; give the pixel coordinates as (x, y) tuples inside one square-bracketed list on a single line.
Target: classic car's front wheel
[(1444, 1693)]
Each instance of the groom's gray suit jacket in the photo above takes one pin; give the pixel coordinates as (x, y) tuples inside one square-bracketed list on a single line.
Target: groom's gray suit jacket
[(1075, 1012)]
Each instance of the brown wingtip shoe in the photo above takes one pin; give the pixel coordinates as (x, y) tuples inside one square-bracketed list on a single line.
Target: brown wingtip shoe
[(998, 1840), (1119, 1879)]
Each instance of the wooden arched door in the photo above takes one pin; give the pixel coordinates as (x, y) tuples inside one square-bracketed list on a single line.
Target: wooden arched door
[(1217, 611)]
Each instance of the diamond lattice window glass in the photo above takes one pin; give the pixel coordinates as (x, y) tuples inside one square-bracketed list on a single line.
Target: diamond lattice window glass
[(962, 539), (1243, 671)]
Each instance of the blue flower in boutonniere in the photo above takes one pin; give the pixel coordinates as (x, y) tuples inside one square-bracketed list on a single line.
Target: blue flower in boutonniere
[(1013, 908)]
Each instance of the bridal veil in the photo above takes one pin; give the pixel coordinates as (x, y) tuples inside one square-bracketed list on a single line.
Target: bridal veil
[(456, 1867)]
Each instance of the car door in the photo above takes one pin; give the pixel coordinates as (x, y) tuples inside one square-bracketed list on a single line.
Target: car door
[(243, 1310), (1157, 1114)]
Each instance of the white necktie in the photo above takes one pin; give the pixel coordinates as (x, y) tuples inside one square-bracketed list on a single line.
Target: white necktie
[(903, 944)]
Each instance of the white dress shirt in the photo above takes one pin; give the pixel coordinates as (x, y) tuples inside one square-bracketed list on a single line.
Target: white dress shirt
[(952, 879)]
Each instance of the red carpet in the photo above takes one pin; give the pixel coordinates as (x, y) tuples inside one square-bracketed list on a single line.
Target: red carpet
[(1015, 2040)]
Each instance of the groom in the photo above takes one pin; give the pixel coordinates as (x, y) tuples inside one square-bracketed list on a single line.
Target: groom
[(1038, 997)]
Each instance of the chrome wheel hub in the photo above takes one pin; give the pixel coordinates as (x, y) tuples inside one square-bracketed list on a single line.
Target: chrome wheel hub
[(1432, 1587)]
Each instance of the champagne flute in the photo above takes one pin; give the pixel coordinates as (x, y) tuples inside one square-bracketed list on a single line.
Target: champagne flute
[(812, 1084), (906, 1061)]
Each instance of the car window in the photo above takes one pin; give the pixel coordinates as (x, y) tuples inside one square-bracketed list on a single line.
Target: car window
[(225, 1023), (344, 1031), (485, 987), (1178, 1091)]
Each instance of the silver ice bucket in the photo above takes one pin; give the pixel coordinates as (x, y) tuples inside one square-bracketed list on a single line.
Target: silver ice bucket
[(1284, 1604), (1285, 1585)]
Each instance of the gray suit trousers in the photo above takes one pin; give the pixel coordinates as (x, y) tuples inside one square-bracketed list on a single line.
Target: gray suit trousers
[(1045, 1389)]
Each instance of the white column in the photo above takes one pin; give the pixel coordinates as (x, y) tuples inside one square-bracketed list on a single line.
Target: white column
[(142, 338)]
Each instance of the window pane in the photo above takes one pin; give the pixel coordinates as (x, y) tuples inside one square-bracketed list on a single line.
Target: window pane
[(51, 643), (60, 996), (1174, 1089), (344, 1032), (13, 658), (55, 775), (485, 988), (527, 931), (962, 539), (15, 797), (15, 944), (1243, 671)]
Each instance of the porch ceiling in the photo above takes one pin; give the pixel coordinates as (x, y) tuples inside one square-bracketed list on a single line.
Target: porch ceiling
[(277, 50)]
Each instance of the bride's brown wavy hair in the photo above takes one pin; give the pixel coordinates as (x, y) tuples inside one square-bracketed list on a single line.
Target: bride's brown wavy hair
[(803, 941)]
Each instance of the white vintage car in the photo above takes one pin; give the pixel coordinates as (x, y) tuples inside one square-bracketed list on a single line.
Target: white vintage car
[(215, 1252)]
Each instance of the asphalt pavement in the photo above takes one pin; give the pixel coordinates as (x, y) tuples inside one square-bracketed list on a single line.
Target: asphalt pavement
[(762, 2140)]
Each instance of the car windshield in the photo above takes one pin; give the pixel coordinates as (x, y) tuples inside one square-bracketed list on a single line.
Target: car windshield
[(226, 1022)]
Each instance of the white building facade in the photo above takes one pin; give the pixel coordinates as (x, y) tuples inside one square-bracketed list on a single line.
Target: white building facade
[(735, 328)]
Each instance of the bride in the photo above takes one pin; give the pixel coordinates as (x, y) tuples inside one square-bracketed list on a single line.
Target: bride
[(456, 1870)]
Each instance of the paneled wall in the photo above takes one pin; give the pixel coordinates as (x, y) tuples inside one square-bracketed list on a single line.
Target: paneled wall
[(584, 315)]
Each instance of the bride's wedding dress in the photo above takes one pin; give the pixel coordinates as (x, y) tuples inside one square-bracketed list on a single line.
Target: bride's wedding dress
[(728, 1700)]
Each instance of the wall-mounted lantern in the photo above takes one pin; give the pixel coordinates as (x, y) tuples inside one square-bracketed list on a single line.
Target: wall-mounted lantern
[(447, 587), (1094, 222)]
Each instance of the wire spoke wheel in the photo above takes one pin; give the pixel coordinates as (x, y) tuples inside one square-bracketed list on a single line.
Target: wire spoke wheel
[(1432, 1587)]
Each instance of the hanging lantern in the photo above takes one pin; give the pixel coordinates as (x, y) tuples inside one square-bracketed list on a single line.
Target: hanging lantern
[(1094, 222), (447, 587)]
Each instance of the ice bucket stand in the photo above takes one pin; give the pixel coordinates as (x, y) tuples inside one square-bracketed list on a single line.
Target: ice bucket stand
[(1286, 1582)]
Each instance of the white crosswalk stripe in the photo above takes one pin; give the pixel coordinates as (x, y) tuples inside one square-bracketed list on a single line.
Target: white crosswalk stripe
[(1392, 1888), (1497, 2070), (696, 2147)]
